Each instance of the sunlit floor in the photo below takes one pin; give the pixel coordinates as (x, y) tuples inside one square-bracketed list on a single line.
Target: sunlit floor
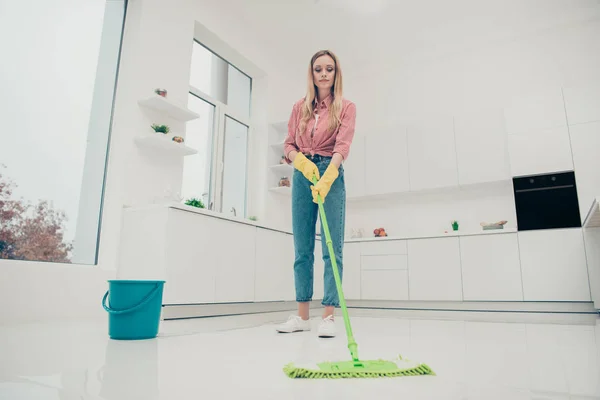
[(242, 358)]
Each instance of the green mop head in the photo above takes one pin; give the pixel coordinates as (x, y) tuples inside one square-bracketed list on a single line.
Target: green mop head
[(360, 369)]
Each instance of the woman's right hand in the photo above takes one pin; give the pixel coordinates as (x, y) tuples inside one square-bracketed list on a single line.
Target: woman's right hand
[(307, 167)]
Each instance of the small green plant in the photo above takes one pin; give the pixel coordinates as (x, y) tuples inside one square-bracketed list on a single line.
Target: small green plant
[(161, 128), (252, 218), (194, 203)]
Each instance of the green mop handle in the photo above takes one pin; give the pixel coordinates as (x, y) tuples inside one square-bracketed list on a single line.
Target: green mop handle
[(351, 342)]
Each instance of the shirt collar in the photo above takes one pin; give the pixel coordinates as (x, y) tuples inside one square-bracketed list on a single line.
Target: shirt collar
[(325, 103)]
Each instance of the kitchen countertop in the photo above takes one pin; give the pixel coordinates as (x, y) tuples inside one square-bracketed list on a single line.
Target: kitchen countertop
[(240, 220), (432, 235)]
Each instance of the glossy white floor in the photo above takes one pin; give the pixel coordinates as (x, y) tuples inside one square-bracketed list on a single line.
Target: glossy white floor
[(242, 357)]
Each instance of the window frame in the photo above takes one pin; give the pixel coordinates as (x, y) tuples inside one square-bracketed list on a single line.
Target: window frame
[(217, 151)]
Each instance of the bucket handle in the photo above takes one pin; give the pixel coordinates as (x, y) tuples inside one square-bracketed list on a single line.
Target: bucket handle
[(132, 309)]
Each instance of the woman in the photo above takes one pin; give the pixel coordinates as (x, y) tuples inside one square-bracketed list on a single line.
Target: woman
[(320, 132)]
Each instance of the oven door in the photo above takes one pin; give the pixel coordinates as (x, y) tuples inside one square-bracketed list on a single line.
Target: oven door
[(547, 201)]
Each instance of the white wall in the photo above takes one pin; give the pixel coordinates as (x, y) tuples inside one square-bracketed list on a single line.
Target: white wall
[(157, 49)]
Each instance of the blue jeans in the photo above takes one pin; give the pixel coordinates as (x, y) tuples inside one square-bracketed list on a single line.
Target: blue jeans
[(304, 219)]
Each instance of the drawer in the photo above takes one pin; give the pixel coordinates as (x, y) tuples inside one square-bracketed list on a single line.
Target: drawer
[(389, 262), (383, 247), (384, 285)]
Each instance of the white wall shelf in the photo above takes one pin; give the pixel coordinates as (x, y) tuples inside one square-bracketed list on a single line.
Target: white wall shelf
[(287, 191), (159, 103), (285, 169), (165, 144)]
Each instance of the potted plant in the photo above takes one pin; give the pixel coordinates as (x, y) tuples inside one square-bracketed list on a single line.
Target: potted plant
[(161, 92), (161, 128), (194, 202), (454, 225)]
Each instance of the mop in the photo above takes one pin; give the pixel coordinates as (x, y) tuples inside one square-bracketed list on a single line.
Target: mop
[(355, 368)]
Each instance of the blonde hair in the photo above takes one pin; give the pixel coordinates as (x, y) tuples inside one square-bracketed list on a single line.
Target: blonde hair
[(335, 110)]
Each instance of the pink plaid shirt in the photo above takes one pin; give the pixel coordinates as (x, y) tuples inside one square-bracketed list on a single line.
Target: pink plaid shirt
[(322, 141)]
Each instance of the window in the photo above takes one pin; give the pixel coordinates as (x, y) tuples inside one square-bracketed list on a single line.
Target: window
[(221, 94), (56, 104)]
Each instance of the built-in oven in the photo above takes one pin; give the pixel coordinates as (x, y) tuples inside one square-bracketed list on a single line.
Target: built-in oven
[(546, 201)]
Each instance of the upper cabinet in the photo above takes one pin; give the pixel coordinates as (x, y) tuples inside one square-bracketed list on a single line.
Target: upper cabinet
[(481, 147), (432, 153), (354, 168), (386, 160), (538, 137)]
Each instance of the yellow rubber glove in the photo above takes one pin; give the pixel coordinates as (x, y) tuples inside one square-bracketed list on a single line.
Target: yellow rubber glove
[(307, 167), (322, 187)]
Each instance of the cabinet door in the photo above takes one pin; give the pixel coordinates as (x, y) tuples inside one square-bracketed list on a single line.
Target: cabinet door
[(434, 269), (235, 267), (351, 275), (386, 163), (481, 147), (585, 139), (432, 154), (554, 265), (491, 269), (540, 151), (274, 276), (319, 268), (192, 258), (354, 169), (538, 139), (384, 284)]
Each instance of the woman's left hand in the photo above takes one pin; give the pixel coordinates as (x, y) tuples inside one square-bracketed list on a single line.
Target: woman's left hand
[(324, 185)]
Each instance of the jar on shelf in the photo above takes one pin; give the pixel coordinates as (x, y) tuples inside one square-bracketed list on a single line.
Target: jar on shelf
[(284, 181)]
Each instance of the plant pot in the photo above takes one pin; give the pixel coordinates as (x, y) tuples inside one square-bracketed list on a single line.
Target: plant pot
[(455, 226)]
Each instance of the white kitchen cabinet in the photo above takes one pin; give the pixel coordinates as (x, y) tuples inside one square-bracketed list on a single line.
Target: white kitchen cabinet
[(585, 139), (535, 112), (354, 169), (351, 273), (384, 262), (582, 103), (382, 247), (431, 154), (386, 163), (540, 151), (434, 270), (235, 261), (193, 252), (319, 269), (554, 266), (481, 147), (274, 266), (384, 284), (491, 269)]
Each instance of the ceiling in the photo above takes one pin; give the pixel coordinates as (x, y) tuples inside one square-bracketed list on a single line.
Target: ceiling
[(365, 33)]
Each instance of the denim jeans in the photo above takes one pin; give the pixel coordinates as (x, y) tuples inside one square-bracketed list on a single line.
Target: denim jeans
[(304, 218)]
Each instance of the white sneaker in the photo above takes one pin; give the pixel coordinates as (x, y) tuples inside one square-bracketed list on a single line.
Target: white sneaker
[(327, 327), (294, 324)]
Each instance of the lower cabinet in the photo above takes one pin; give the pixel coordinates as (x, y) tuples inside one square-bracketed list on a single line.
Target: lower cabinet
[(434, 269), (390, 284), (274, 266), (554, 265), (491, 268)]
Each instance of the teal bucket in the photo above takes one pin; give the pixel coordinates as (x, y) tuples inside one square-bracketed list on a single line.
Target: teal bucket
[(134, 309)]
